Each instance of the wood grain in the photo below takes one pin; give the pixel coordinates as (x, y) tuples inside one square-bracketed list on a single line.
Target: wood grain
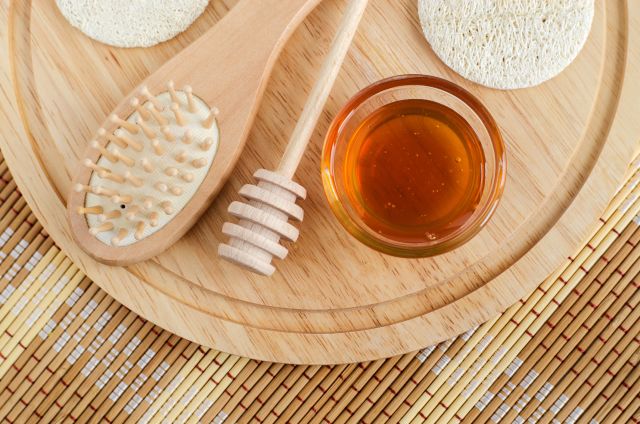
[(332, 300)]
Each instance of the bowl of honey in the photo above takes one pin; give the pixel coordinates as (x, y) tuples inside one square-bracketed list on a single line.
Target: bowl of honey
[(413, 166)]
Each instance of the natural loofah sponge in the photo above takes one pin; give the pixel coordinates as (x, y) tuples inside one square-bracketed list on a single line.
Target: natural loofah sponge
[(506, 43), (131, 23)]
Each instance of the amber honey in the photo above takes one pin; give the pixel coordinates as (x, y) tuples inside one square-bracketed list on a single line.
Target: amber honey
[(414, 171)]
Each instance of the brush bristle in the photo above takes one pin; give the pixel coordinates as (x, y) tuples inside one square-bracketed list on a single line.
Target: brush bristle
[(149, 166)]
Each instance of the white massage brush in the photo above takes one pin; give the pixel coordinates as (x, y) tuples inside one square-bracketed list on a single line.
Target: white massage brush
[(263, 219), (159, 159)]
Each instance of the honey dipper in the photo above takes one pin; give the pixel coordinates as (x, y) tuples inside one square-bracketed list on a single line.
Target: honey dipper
[(166, 150), (263, 219)]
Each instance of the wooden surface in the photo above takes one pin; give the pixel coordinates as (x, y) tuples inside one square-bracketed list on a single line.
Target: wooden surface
[(212, 67), (332, 300)]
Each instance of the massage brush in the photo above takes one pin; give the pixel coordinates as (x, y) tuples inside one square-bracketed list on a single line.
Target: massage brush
[(166, 150), (263, 218)]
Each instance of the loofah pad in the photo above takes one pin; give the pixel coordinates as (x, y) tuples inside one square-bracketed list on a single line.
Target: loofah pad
[(506, 43), (131, 23)]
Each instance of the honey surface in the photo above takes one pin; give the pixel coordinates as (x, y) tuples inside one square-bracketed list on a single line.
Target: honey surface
[(414, 170)]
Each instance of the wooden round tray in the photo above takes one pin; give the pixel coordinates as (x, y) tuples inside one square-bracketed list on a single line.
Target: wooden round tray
[(332, 300)]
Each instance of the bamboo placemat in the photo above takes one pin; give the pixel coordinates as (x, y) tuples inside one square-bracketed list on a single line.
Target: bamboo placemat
[(567, 353)]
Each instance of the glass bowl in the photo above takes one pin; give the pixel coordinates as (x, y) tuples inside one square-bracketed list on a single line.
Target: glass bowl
[(395, 89)]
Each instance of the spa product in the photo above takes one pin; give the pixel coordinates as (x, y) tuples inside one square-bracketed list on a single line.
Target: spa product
[(503, 43), (413, 166), (158, 160), (255, 239), (414, 169), (127, 23)]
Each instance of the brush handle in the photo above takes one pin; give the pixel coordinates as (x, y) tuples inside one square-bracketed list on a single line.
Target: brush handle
[(243, 46), (320, 92)]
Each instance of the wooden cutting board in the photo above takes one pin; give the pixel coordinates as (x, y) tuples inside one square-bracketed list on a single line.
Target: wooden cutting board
[(332, 300)]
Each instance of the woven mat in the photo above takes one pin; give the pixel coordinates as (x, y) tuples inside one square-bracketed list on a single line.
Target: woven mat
[(567, 353)]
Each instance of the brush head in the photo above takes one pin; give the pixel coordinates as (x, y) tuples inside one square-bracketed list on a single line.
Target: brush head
[(147, 167), (263, 222)]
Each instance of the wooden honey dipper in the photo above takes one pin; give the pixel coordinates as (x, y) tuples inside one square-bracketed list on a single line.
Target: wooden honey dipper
[(263, 219)]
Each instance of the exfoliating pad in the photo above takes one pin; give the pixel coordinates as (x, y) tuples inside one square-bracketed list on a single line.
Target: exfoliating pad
[(127, 23), (506, 44)]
